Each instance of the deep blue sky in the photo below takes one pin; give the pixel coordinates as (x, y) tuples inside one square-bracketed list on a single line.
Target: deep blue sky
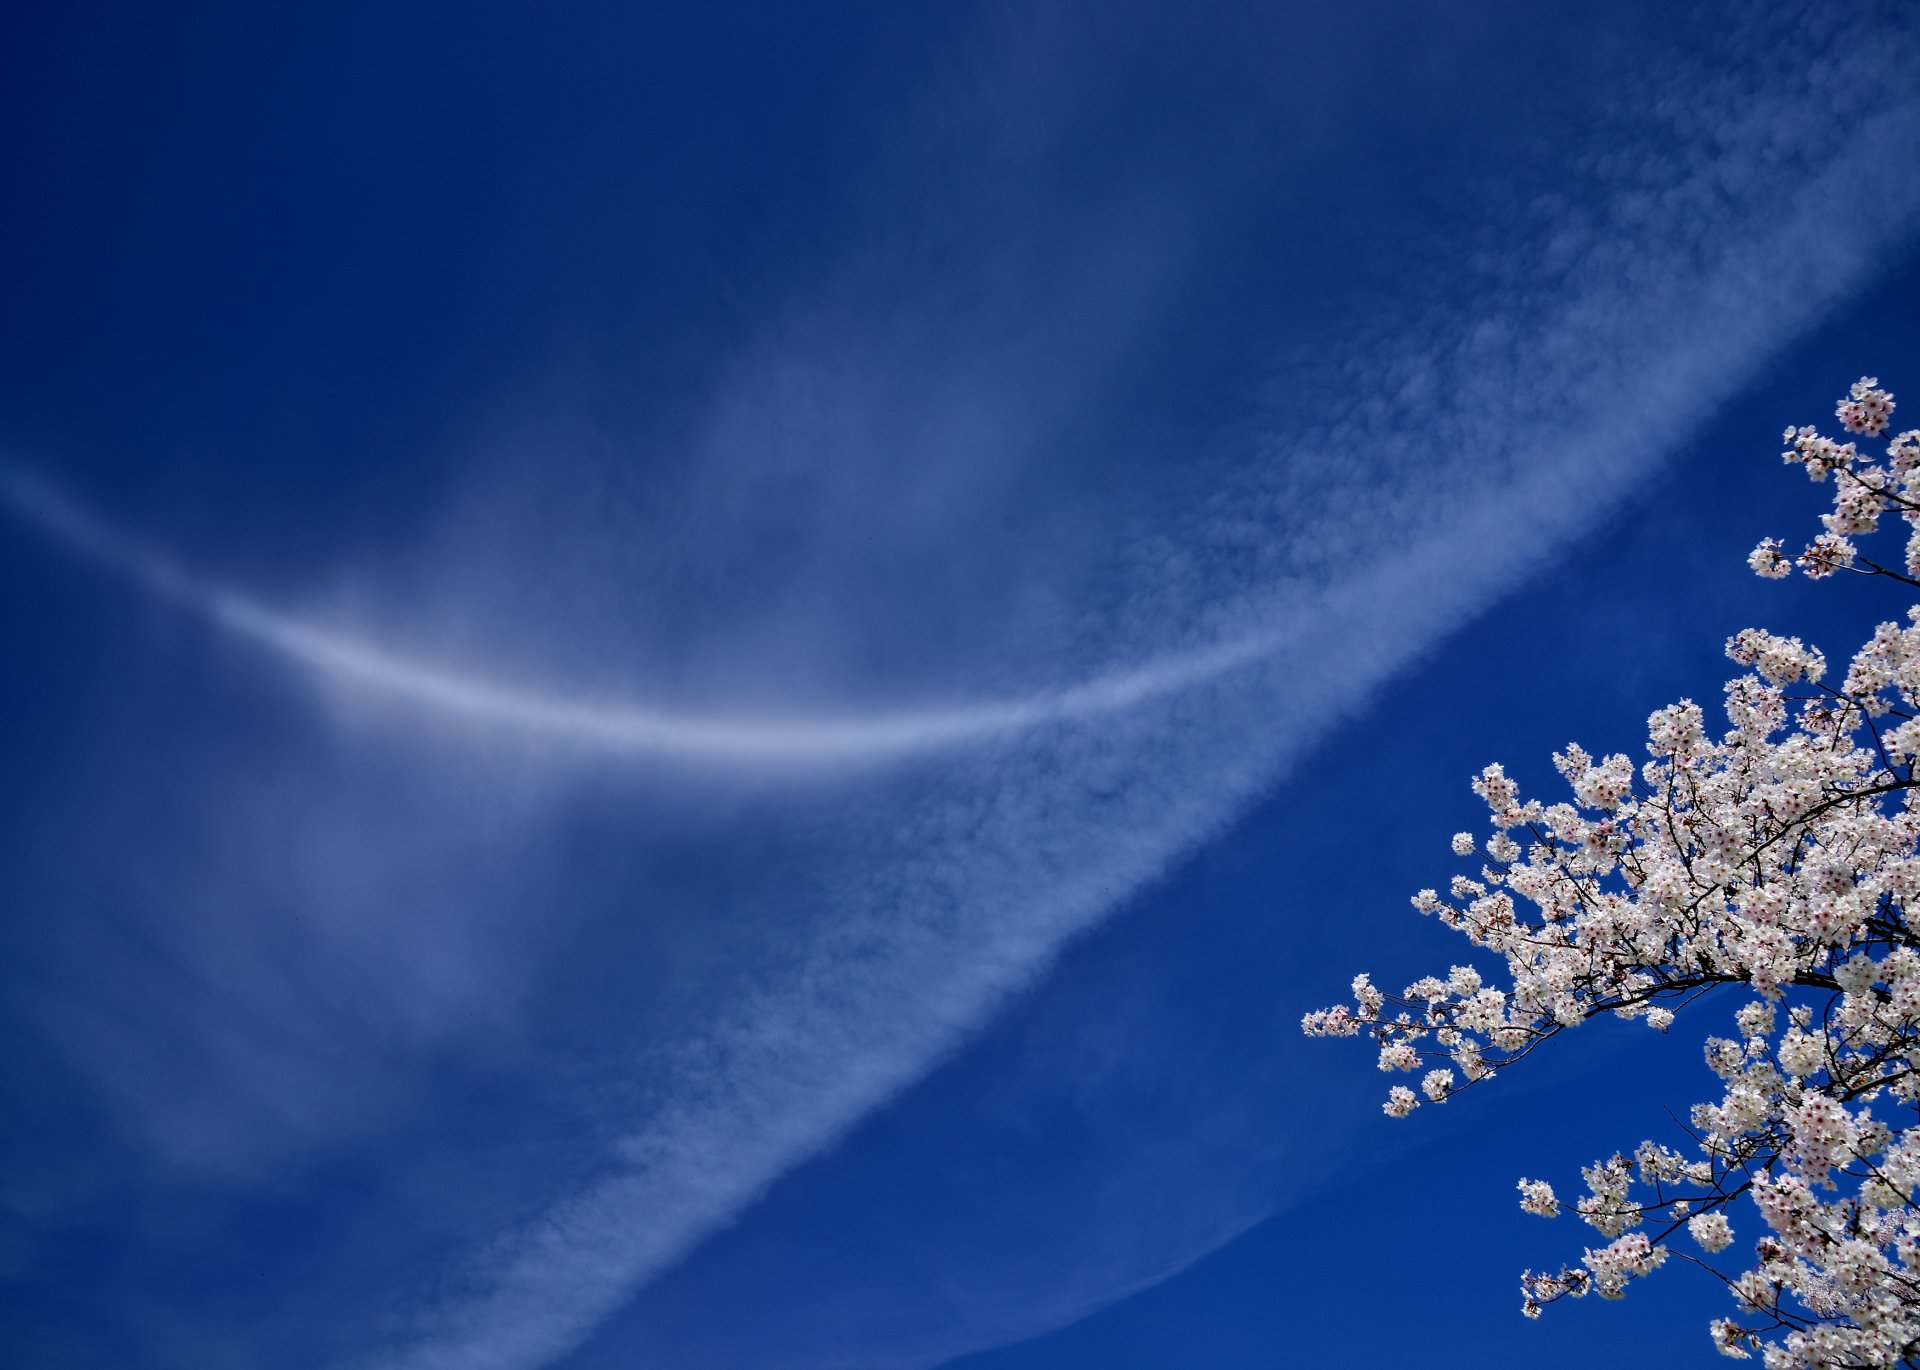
[(704, 690)]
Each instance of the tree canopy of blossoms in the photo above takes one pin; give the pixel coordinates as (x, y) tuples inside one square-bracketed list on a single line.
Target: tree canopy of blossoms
[(1775, 861)]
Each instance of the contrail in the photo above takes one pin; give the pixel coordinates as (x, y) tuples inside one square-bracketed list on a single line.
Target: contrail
[(617, 727)]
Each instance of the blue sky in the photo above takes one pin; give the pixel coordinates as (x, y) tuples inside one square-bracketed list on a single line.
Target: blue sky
[(706, 689)]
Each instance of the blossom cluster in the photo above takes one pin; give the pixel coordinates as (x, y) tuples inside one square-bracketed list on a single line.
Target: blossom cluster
[(1864, 490), (1776, 859)]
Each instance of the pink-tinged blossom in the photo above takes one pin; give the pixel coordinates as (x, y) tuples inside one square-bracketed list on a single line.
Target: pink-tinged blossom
[(1778, 853), (1801, 1054), (1820, 456), (1711, 1230), (1767, 559), (1779, 660), (1865, 491), (1903, 453), (1731, 1340), (1866, 408), (1825, 555), (1398, 1056), (1621, 1260), (1537, 1198)]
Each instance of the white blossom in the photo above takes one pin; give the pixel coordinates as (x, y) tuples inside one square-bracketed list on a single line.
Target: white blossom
[(1711, 1230), (1537, 1198)]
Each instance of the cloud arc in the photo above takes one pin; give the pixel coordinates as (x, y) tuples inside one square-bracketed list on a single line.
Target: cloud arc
[(633, 728)]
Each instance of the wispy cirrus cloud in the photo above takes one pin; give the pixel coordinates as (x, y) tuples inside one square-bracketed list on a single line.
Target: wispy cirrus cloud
[(343, 659)]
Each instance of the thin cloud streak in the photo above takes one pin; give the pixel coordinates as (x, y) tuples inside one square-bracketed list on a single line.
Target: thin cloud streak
[(626, 728)]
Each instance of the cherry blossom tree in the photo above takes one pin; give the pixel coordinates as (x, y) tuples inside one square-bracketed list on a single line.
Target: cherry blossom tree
[(1775, 863)]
